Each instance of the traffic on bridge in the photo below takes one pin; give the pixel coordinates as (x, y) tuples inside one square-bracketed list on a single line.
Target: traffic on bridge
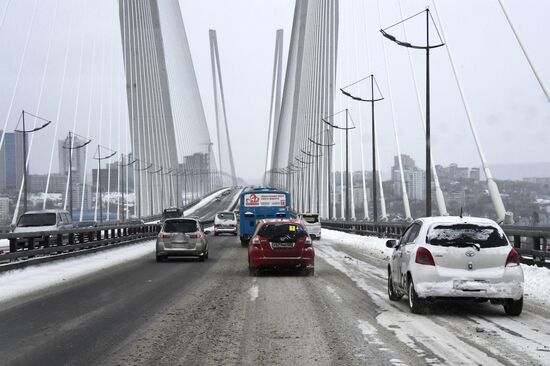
[(284, 182)]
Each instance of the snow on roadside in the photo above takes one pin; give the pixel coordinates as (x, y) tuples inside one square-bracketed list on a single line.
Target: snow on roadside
[(235, 198), (369, 245), (23, 281), (206, 200), (537, 283), (537, 279)]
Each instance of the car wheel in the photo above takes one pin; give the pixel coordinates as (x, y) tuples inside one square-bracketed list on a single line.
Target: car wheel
[(253, 271), (310, 272), (202, 258), (215, 233), (416, 304), (513, 307), (160, 258), (206, 255), (394, 296)]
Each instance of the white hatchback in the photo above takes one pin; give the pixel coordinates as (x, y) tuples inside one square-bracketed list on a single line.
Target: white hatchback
[(312, 224), (225, 222), (455, 257)]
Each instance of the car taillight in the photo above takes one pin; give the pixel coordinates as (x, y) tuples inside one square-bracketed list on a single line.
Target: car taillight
[(195, 235), (164, 236), (308, 242), (216, 225), (423, 256), (512, 259), (256, 241)]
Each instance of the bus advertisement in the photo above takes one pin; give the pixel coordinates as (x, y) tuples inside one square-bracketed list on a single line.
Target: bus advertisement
[(258, 204)]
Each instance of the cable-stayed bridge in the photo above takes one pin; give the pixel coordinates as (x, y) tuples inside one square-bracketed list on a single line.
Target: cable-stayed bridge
[(102, 115)]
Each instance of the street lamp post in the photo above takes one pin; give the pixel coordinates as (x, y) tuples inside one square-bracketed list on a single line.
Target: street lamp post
[(329, 161), (123, 184), (346, 129), (372, 100), (427, 47), (24, 131), (72, 147), (151, 190), (98, 157), (139, 186)]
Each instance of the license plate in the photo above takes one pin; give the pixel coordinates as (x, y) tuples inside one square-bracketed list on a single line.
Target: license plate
[(282, 245), (471, 285)]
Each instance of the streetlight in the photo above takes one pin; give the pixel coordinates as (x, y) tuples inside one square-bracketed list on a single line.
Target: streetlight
[(316, 157), (122, 165), (162, 189), (24, 131), (151, 190), (372, 100), (98, 157), (427, 47), (346, 128), (72, 147), (329, 156), (139, 186)]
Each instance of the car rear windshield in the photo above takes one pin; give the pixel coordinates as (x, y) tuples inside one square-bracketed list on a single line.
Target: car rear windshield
[(282, 232), (466, 235), (180, 226), (226, 216), (311, 219), (39, 219)]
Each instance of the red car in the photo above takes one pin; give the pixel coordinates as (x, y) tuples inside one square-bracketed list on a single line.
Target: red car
[(281, 243)]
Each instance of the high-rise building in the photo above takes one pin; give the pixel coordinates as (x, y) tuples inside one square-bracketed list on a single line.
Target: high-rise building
[(78, 157), (415, 179), (4, 209), (475, 174), (11, 161)]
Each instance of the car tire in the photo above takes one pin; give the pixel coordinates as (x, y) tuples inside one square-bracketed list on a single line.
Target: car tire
[(160, 258), (416, 304), (215, 233), (394, 296), (202, 258), (253, 271), (206, 255), (310, 272), (513, 307)]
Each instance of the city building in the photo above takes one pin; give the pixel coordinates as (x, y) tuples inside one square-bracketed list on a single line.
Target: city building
[(457, 197), (11, 161), (415, 179), (109, 179), (78, 157), (38, 182), (4, 210), (475, 174)]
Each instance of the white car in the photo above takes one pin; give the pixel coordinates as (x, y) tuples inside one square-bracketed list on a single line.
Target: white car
[(455, 257), (312, 224), (225, 222)]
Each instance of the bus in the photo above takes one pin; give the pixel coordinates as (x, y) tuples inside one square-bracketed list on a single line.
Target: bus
[(258, 204)]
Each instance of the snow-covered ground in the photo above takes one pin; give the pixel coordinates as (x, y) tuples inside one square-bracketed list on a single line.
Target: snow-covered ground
[(537, 279), (23, 281)]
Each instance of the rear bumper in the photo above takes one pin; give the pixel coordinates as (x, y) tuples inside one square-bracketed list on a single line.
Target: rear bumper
[(225, 230), (307, 260), (181, 252), (509, 285)]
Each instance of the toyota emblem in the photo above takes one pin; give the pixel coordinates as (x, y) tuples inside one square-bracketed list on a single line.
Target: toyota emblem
[(470, 253)]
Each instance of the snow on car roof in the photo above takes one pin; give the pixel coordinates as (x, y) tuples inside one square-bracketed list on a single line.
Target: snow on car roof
[(458, 220)]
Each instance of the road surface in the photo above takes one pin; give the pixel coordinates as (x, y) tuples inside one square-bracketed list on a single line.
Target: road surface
[(184, 312)]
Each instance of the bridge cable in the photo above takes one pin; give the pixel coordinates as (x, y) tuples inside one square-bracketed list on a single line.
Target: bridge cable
[(406, 205), (59, 105), (492, 185), (19, 71)]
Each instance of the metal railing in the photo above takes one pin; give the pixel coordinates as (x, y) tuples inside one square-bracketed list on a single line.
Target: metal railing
[(530, 242)]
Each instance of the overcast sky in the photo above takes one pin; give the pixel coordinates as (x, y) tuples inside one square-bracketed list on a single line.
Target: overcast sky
[(509, 109)]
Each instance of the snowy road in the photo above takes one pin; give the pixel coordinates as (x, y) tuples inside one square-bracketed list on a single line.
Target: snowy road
[(190, 313)]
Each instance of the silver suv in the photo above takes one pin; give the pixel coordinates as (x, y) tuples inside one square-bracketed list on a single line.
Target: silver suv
[(182, 237)]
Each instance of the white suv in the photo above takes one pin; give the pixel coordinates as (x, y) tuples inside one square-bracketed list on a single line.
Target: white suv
[(454, 257), (312, 224)]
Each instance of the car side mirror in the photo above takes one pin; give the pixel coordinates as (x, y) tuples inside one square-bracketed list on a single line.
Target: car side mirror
[(206, 232), (392, 243)]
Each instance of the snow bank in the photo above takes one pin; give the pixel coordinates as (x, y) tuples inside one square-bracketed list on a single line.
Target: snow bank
[(537, 283), (26, 280), (369, 245)]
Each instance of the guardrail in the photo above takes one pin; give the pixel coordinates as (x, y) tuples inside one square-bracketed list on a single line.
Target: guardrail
[(530, 242)]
